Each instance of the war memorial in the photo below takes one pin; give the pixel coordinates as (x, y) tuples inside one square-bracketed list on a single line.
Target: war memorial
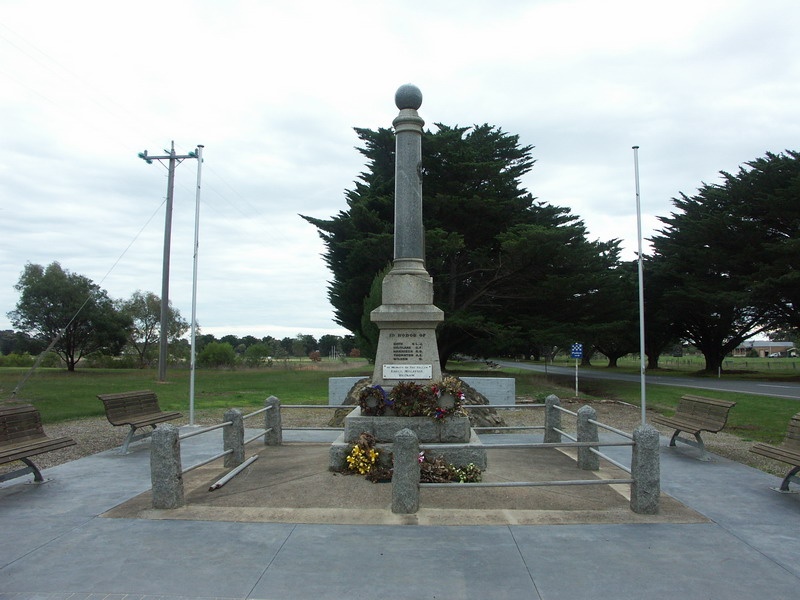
[(410, 415), (142, 524)]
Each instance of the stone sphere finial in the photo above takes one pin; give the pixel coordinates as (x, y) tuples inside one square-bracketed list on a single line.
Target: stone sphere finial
[(408, 96)]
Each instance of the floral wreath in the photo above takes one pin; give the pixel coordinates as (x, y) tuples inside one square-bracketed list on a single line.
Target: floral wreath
[(373, 401), (449, 386), (409, 399)]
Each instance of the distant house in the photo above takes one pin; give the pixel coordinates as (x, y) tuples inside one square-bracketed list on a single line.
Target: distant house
[(765, 349)]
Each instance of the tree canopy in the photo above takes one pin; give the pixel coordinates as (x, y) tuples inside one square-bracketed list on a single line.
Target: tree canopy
[(727, 259), (143, 309), (505, 266), (57, 304)]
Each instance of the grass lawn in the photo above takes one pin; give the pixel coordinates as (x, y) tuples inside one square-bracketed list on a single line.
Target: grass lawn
[(736, 368), (60, 395), (754, 418)]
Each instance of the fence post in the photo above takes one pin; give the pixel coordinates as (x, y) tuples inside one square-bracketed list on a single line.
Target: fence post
[(552, 420), (272, 423), (233, 438), (587, 432), (645, 470), (166, 474), (405, 476)]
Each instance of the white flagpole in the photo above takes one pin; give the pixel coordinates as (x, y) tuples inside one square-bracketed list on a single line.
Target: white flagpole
[(642, 365), (194, 284)]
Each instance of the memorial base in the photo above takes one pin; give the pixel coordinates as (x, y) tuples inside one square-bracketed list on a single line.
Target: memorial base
[(460, 444)]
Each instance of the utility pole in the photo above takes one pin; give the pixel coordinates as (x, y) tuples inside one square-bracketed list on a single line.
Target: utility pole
[(173, 160)]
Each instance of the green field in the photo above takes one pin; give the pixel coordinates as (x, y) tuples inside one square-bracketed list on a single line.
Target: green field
[(738, 368), (755, 418), (60, 395)]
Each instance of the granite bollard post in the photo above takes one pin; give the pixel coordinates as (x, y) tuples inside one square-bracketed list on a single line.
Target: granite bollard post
[(405, 476), (272, 423), (587, 432), (166, 473), (552, 420), (233, 438), (645, 471)]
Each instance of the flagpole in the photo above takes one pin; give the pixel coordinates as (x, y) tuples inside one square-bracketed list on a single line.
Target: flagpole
[(194, 284), (642, 365)]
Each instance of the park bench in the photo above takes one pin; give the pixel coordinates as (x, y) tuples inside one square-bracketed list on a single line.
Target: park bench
[(22, 436), (137, 409), (788, 452), (696, 414)]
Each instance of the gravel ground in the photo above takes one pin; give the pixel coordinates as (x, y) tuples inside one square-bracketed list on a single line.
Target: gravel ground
[(95, 434)]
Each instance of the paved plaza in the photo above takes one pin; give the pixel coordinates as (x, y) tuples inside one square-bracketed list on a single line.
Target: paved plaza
[(725, 534)]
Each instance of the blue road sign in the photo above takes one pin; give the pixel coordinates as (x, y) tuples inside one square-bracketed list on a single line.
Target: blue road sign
[(576, 351)]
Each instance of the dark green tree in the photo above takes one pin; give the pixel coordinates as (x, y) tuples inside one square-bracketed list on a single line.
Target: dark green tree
[(661, 329), (203, 340), (217, 354), (55, 303), (231, 339), (616, 307), (492, 250), (18, 342), (144, 311), (768, 193), (728, 257), (329, 342), (257, 355), (368, 334)]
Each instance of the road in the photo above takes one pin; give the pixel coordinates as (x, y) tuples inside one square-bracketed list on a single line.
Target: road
[(777, 389)]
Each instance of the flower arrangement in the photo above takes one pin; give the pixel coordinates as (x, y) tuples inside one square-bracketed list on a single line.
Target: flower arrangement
[(448, 398), (437, 470), (410, 399), (373, 401), (363, 458), (469, 474)]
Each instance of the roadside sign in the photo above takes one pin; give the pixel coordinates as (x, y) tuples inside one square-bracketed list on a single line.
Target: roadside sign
[(576, 352)]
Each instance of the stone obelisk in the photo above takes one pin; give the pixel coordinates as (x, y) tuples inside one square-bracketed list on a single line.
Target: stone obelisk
[(407, 317)]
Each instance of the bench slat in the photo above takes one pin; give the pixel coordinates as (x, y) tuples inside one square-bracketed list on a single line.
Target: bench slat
[(694, 415), (777, 453), (136, 409), (698, 413), (12, 453), (19, 423), (22, 435), (789, 450), (684, 424)]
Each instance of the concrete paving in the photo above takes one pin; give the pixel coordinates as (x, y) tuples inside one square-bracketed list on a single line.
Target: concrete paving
[(57, 542)]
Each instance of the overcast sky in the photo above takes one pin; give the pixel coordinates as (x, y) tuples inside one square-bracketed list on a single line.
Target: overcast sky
[(273, 90)]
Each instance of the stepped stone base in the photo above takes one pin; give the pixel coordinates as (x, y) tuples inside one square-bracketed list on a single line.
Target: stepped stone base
[(461, 444), (452, 430)]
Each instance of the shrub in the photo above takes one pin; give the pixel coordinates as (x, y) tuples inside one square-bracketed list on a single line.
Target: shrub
[(17, 360), (217, 354)]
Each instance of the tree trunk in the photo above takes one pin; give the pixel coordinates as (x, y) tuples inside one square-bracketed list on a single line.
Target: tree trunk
[(713, 362)]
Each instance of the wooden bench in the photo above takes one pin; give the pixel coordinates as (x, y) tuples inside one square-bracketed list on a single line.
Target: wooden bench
[(696, 414), (137, 409), (788, 452), (22, 436)]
